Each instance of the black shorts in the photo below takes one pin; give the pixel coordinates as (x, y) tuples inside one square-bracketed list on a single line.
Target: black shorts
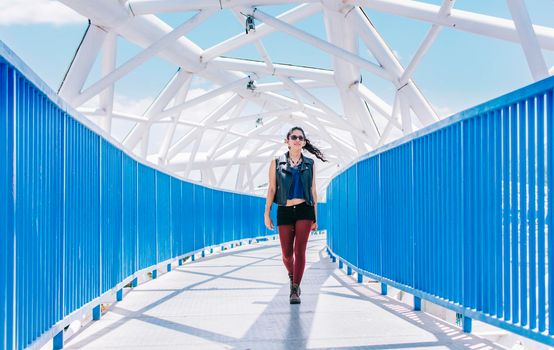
[(289, 215)]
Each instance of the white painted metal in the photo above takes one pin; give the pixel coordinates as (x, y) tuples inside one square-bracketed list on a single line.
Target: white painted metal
[(528, 39), (243, 129)]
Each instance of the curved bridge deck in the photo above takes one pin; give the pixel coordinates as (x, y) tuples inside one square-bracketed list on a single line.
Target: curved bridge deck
[(238, 299)]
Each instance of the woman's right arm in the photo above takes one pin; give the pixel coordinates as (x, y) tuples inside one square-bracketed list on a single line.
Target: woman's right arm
[(271, 187)]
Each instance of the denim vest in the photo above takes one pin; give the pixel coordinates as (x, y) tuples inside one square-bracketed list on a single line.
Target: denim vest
[(283, 179)]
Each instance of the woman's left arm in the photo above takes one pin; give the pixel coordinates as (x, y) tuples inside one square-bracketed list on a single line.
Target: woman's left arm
[(314, 196)]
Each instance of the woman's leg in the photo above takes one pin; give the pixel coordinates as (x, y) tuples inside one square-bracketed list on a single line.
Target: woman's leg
[(286, 236), (302, 233)]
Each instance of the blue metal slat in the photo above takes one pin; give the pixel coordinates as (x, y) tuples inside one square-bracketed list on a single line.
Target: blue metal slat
[(540, 212), (111, 223), (498, 214), (514, 212), (129, 215), (163, 216), (506, 211), (531, 136), (550, 201), (177, 246), (490, 293), (523, 211), (147, 245), (7, 121), (466, 213)]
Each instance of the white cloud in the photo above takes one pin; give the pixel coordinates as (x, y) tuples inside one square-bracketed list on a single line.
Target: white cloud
[(25, 12)]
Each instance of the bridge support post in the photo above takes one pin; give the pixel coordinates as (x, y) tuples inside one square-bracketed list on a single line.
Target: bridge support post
[(169, 267), (192, 257), (180, 262), (154, 274), (58, 341), (203, 254), (349, 271), (222, 248), (467, 324), (384, 289), (341, 264), (417, 303), (96, 312), (360, 277), (333, 258), (134, 283), (119, 295), (211, 250), (232, 245)]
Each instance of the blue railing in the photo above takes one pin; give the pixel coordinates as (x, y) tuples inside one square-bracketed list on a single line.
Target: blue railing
[(458, 213), (79, 218)]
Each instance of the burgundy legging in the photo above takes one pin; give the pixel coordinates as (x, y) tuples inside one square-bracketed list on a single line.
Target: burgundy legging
[(294, 239)]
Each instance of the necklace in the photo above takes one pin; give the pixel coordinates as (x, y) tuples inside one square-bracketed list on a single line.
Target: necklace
[(293, 162)]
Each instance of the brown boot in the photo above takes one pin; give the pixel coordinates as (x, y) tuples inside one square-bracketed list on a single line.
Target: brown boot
[(295, 294)]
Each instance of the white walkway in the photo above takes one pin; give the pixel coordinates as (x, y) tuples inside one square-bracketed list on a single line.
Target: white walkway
[(239, 300)]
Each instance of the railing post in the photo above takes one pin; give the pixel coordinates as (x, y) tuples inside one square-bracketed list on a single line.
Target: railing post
[(360, 278), (180, 262), (169, 267), (348, 270), (384, 289), (134, 283), (119, 295), (211, 250), (203, 253), (467, 324), (58, 341), (341, 264), (192, 258), (417, 303), (154, 274), (96, 312)]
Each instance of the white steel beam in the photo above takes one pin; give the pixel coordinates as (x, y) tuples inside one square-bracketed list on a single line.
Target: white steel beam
[(476, 23), (430, 38), (321, 44), (142, 7), (529, 42), (203, 98), (109, 51), (346, 73), (141, 57), (215, 115), (382, 52), (177, 81), (291, 16), (322, 75), (180, 97), (236, 112), (82, 63)]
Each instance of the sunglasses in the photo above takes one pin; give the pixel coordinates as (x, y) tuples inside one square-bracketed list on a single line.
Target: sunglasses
[(294, 138)]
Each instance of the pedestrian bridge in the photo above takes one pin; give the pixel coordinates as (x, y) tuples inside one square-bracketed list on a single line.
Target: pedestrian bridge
[(238, 299), (101, 247)]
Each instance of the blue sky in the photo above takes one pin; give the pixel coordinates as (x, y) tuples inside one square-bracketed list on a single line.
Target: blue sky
[(459, 71)]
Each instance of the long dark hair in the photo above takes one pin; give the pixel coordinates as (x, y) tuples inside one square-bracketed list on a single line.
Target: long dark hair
[(308, 147)]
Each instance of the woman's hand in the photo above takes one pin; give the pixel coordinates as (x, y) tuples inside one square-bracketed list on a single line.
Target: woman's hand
[(314, 226), (268, 223)]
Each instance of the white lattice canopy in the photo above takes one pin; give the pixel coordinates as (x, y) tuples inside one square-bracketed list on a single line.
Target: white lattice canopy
[(223, 111)]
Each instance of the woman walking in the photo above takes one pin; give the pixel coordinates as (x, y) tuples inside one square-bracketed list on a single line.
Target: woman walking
[(292, 186)]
